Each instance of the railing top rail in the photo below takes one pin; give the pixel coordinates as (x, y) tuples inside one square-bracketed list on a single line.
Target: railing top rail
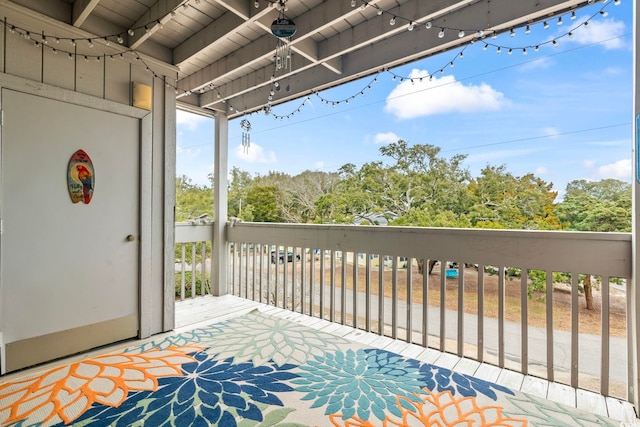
[(586, 252)]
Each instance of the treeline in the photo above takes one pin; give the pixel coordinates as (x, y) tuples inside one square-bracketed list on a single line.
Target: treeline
[(416, 186)]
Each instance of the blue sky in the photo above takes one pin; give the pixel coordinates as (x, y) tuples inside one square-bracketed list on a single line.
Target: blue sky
[(562, 113)]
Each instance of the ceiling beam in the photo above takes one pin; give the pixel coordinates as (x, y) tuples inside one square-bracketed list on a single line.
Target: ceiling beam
[(376, 28), (81, 10), (215, 33), (207, 37), (152, 20), (404, 47)]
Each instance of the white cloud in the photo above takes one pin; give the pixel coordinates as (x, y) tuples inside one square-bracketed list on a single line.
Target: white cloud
[(385, 138), (439, 96), (550, 132), (609, 30), (618, 170), (319, 165), (589, 163), (188, 120), (255, 154), (541, 170)]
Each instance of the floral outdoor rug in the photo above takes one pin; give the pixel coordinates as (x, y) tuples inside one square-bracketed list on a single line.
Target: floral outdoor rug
[(259, 370)]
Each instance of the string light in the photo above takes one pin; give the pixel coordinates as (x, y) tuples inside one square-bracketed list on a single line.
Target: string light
[(392, 21)]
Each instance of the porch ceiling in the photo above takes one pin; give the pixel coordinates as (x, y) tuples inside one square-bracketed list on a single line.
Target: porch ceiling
[(224, 49)]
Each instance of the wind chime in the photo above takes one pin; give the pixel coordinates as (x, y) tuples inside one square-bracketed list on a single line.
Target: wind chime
[(246, 136), (283, 28)]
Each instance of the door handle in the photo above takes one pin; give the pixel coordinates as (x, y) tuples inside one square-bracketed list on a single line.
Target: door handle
[(131, 238)]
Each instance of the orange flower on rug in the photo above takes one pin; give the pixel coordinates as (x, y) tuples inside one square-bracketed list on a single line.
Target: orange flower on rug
[(439, 409), (62, 394)]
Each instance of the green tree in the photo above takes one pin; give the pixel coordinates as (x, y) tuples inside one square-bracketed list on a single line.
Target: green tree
[(192, 200), (596, 206), (240, 183), (263, 202)]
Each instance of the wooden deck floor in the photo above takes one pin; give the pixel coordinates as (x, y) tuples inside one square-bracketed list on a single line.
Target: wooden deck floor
[(205, 310)]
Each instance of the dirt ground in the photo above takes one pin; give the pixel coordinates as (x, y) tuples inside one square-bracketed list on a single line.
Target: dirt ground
[(589, 321)]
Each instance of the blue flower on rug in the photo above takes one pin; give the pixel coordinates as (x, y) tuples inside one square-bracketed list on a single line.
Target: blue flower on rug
[(211, 392), (362, 382), (441, 379)]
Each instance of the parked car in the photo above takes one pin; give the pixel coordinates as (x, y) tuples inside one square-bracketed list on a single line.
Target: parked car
[(281, 257)]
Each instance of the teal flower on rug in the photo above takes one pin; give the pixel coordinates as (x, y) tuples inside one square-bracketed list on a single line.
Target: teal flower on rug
[(260, 338), (365, 383), (195, 336)]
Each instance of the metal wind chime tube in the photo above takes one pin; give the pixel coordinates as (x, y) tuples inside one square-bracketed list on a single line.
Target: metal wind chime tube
[(246, 136)]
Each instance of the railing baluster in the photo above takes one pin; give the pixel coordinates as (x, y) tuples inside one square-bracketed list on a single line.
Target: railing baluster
[(575, 281), (332, 289), (443, 303), (285, 278), (294, 271), (409, 299), (380, 295), (480, 344), (394, 297), (253, 273), (322, 289), (303, 280), (269, 275), (193, 270), (501, 308), (232, 272), (524, 321), (604, 367), (312, 280), (276, 258), (460, 343), (203, 268), (261, 252), (367, 293), (183, 270), (343, 288), (356, 263), (245, 254), (425, 302), (549, 300)]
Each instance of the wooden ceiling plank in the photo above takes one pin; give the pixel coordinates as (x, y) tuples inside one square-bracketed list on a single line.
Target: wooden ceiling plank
[(81, 10), (152, 20)]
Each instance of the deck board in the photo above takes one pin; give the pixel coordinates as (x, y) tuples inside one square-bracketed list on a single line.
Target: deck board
[(201, 311)]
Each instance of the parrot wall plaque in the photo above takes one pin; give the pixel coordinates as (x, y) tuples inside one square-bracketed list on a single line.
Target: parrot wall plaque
[(81, 177)]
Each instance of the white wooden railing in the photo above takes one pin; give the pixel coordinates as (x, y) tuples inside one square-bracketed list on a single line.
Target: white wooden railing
[(319, 283)]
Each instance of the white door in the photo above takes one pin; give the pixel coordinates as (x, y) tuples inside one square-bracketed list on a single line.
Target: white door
[(69, 273)]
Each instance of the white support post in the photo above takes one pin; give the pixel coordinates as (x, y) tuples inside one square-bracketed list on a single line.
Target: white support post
[(220, 249), (633, 294)]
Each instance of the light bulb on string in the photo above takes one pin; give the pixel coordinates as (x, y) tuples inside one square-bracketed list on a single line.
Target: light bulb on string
[(428, 25), (441, 33), (604, 13), (485, 47), (616, 2), (392, 21), (379, 12), (524, 51), (460, 33), (559, 22), (545, 25), (410, 27), (573, 15), (120, 39), (555, 43), (527, 30), (512, 33), (510, 51), (537, 48), (131, 32), (353, 3), (499, 49)]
